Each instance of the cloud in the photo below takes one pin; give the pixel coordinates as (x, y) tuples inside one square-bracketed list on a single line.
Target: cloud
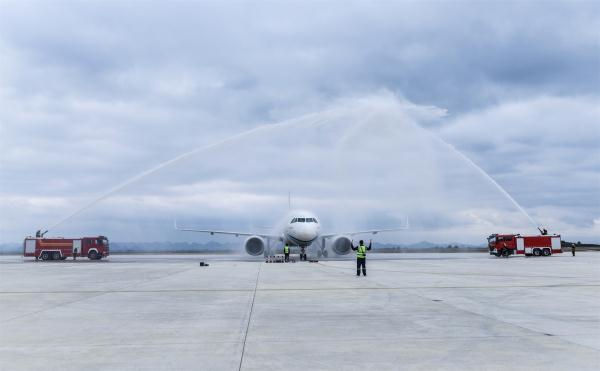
[(543, 150), (361, 163), (94, 92)]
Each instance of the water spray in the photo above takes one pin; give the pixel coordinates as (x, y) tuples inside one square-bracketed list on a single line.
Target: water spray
[(310, 120), (491, 180), (174, 160)]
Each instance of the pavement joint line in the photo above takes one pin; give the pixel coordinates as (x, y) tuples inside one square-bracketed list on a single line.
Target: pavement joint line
[(98, 293), (161, 277), (353, 340), (300, 289), (249, 317), (52, 307), (447, 274), (535, 332)]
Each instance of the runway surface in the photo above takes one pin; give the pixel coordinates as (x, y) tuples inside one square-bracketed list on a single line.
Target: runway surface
[(414, 312)]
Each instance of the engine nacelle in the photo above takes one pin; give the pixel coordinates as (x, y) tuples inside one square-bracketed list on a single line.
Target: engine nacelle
[(255, 245), (341, 245)]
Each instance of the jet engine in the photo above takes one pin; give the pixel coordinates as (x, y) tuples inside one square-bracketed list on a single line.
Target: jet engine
[(255, 245), (341, 245)]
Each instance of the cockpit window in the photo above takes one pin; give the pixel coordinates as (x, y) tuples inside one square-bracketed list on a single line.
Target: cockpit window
[(304, 220)]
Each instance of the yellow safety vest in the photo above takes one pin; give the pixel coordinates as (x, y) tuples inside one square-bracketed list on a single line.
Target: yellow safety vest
[(286, 249), (361, 252)]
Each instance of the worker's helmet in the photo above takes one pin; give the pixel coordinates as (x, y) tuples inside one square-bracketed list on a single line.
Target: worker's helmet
[(362, 242)]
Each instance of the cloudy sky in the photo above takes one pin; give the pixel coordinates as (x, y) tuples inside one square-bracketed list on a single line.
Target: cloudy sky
[(357, 108)]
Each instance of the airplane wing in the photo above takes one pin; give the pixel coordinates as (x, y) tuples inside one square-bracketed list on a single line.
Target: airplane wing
[(370, 231), (237, 234)]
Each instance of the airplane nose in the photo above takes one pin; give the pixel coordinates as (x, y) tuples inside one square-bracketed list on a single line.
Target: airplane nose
[(307, 234)]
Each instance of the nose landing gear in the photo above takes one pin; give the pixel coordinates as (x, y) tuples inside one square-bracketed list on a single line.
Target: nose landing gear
[(302, 253)]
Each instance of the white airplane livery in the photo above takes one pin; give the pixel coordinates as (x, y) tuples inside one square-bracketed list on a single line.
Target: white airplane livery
[(300, 228)]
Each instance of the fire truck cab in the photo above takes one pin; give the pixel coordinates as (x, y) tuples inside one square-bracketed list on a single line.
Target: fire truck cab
[(515, 244), (58, 248)]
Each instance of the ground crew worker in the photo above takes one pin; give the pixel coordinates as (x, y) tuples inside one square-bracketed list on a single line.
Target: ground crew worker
[(573, 249), (361, 256), (286, 251), (505, 251)]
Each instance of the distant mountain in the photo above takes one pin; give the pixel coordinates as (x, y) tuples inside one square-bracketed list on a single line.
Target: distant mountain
[(117, 247), (11, 248), (426, 245), (422, 245)]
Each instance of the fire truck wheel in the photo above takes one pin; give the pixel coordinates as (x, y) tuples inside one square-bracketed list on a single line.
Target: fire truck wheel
[(56, 255), (93, 255), (99, 257), (546, 252), (537, 252), (45, 255)]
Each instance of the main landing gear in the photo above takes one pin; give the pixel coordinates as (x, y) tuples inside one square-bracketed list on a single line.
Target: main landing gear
[(322, 252)]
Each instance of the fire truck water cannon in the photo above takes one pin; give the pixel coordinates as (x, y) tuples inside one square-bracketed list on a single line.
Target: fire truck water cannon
[(515, 244)]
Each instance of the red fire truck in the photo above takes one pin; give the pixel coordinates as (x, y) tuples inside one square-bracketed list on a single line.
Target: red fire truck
[(515, 244), (58, 248)]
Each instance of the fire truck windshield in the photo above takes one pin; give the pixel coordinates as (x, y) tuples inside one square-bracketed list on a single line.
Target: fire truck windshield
[(492, 239)]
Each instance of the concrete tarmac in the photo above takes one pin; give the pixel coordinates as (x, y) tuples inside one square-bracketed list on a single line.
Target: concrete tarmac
[(412, 312)]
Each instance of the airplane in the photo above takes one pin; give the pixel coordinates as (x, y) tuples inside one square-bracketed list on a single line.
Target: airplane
[(300, 228)]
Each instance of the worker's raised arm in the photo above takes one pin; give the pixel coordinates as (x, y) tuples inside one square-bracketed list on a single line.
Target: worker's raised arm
[(352, 245), (369, 248)]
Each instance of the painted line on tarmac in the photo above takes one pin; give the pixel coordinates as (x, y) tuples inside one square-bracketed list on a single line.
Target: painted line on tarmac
[(68, 346), (249, 318), (449, 274), (298, 289)]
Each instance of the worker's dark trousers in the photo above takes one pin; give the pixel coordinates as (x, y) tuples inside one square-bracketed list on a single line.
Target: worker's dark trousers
[(361, 262), (287, 256), (573, 252)]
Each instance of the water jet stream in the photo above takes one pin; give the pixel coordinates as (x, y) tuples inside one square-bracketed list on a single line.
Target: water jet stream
[(174, 160), (491, 180), (313, 120)]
